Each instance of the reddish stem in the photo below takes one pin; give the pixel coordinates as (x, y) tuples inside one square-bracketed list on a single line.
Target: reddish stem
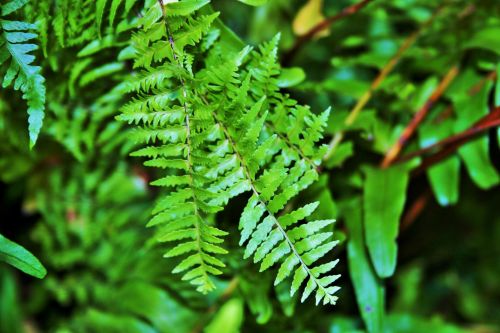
[(415, 209), (449, 145), (408, 132)]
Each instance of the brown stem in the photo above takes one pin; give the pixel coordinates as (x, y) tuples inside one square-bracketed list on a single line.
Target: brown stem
[(348, 11), (449, 145), (386, 70), (408, 132), (415, 210)]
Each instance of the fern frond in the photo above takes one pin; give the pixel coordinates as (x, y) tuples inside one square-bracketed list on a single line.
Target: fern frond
[(219, 123), (269, 238), (165, 112), (275, 169), (26, 77)]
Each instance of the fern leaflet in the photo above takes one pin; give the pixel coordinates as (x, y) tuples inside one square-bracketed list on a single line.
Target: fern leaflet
[(21, 72)]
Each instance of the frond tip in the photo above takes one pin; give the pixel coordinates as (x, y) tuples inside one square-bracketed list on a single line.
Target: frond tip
[(299, 247), (14, 37)]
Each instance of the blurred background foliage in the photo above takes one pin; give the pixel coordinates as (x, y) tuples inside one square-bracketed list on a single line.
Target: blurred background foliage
[(414, 156)]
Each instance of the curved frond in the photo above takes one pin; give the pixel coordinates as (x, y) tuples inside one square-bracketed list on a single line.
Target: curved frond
[(16, 44), (219, 124)]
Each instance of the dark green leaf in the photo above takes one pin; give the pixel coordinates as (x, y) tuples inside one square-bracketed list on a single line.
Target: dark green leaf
[(486, 38), (368, 287), (17, 256)]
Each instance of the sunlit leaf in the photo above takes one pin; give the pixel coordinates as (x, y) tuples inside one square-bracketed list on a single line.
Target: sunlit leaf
[(308, 16), (228, 319), (290, 77), (254, 2)]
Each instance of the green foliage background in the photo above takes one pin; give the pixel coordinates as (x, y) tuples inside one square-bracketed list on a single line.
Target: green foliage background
[(93, 92)]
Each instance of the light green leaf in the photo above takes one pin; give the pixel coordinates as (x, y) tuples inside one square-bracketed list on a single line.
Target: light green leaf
[(476, 154), (228, 319), (383, 200), (184, 7), (478, 163), (12, 6), (254, 2), (342, 153), (17, 256), (102, 321), (368, 287), (290, 77), (153, 303), (99, 7), (486, 38), (255, 290), (445, 176)]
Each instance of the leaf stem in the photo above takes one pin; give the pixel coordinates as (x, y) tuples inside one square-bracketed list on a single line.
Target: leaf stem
[(408, 132), (449, 145), (386, 70)]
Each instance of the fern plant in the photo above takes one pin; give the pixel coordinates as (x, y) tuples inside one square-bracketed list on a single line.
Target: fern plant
[(15, 48), (219, 124), (157, 105)]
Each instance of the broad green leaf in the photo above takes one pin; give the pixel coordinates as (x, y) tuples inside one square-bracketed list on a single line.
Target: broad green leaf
[(368, 287), (287, 302), (101, 321), (408, 323), (184, 7), (321, 195), (365, 122), (487, 38), (290, 77), (383, 201), (478, 164), (444, 176), (476, 154), (154, 303), (228, 319), (17, 256), (254, 2), (10, 315), (342, 153), (228, 39), (256, 293)]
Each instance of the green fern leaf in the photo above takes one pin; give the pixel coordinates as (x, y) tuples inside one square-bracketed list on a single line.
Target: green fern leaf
[(26, 77), (218, 122)]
